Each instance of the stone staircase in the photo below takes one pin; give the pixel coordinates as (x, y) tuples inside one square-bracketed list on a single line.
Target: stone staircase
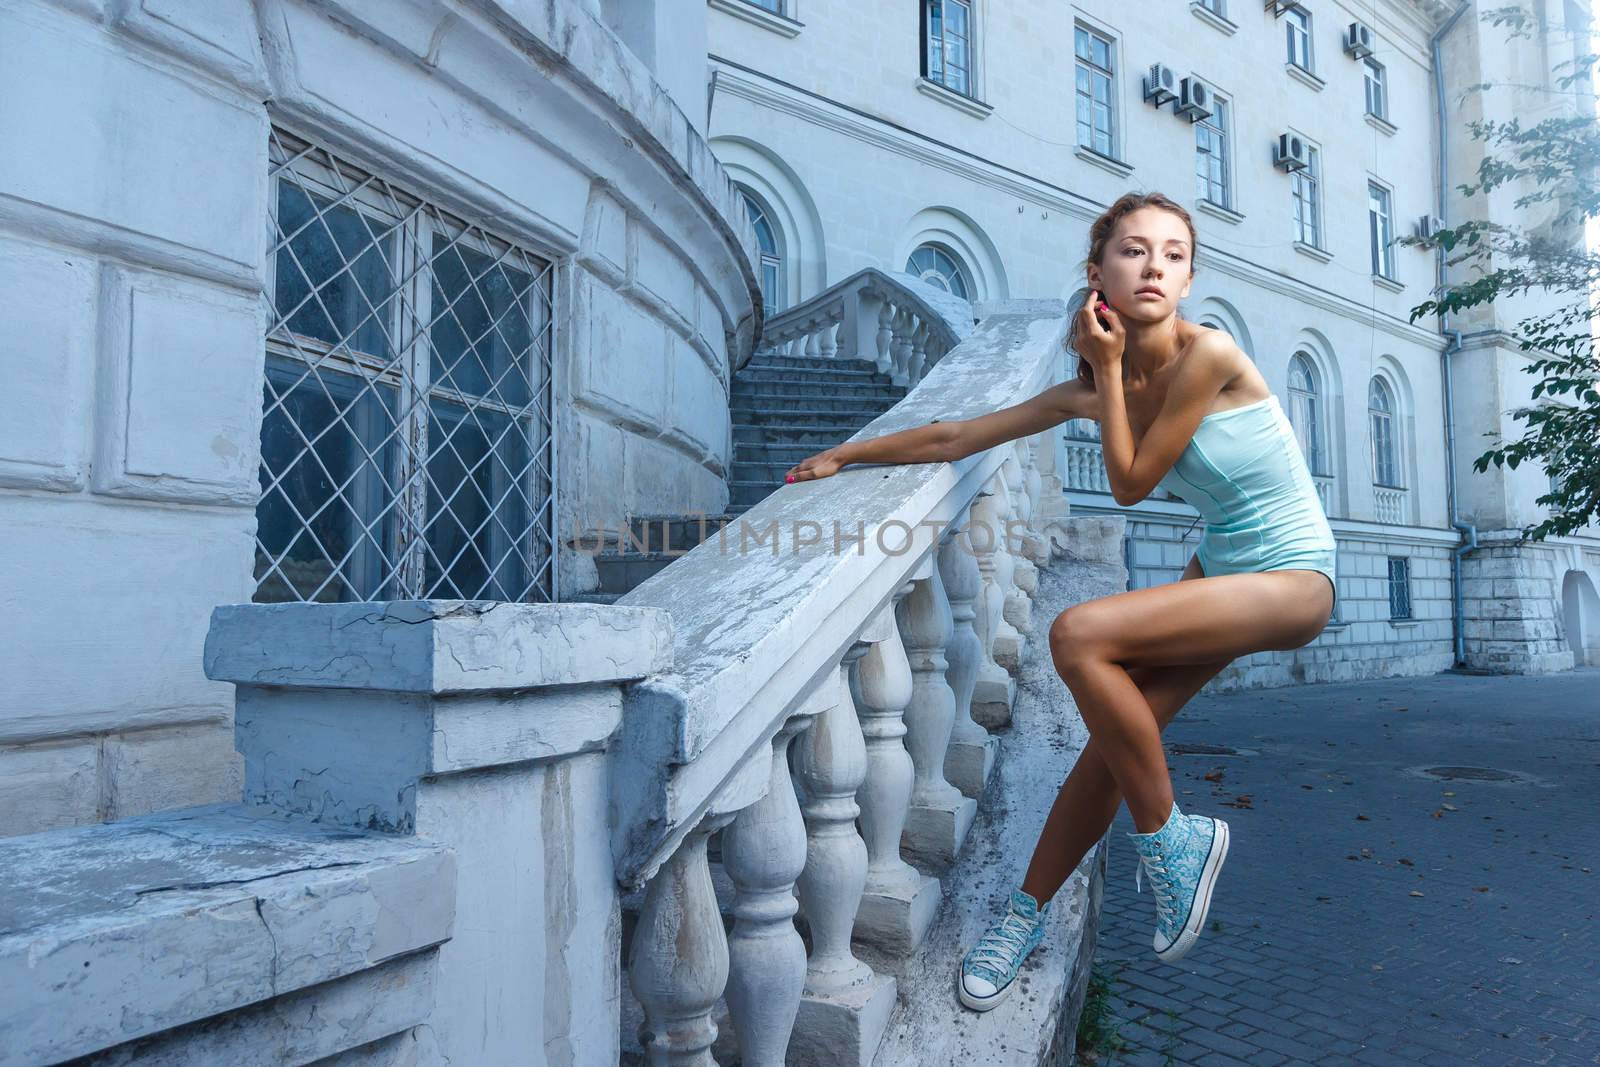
[(784, 409)]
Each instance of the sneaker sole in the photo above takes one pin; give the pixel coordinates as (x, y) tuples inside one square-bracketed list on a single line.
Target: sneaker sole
[(1202, 904)]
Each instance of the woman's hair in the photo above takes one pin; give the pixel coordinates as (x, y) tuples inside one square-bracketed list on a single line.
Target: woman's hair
[(1100, 232)]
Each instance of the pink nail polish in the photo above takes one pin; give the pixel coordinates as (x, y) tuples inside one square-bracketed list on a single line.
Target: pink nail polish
[(788, 477)]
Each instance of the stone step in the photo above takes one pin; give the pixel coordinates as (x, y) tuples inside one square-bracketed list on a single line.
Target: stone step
[(769, 473), (745, 411), (759, 372), (808, 430), (751, 492), (887, 395), (774, 452), (770, 361)]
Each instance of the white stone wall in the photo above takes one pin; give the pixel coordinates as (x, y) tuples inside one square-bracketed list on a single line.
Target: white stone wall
[(133, 234), (859, 162)]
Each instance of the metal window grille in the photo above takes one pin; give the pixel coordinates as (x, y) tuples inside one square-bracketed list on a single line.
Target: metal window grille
[(406, 438), (1399, 588)]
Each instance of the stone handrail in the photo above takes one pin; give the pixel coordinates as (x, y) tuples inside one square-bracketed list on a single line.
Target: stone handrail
[(901, 323), (866, 625)]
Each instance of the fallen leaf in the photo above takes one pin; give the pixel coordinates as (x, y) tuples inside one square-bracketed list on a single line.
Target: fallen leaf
[(1212, 776), (1416, 892), (1509, 959), (1480, 889), (1448, 793), (1362, 818), (1407, 862), (1439, 814), (1449, 807)]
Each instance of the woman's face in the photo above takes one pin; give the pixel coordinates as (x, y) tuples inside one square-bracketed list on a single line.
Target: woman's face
[(1149, 250)]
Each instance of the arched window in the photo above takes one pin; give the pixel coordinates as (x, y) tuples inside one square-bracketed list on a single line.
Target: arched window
[(1215, 325), (1305, 412), (1385, 451), (936, 266), (768, 237)]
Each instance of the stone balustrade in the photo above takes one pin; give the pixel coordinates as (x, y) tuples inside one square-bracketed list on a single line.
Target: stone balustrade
[(819, 633), (901, 323)]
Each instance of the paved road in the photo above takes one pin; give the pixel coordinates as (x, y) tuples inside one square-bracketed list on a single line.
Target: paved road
[(1370, 913)]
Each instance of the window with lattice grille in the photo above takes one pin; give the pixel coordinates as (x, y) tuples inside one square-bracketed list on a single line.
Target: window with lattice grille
[(406, 438)]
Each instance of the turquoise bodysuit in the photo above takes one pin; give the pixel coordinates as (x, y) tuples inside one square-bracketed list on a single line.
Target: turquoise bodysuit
[(1243, 472)]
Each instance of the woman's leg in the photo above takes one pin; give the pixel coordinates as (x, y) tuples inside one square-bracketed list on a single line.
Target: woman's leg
[(1089, 798), (1214, 619)]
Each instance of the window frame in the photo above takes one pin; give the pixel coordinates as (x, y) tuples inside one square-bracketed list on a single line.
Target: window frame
[(1293, 26), (775, 302), (1223, 133), (1383, 439), (410, 319), (1306, 411), (1308, 176), (1375, 84), (962, 271), (926, 40), (1109, 75), (1399, 577), (1382, 253)]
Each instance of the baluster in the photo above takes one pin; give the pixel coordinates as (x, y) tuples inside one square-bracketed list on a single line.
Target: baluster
[(764, 852), (940, 816), (1024, 575), (899, 903), (1016, 617), (885, 336), (970, 756), (902, 348), (916, 363), (827, 347), (845, 1006), (678, 963), (995, 689), (812, 330)]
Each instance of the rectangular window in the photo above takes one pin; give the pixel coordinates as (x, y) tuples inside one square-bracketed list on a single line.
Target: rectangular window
[(1215, 6), (947, 31), (1377, 93), (1308, 199), (1399, 588), (1211, 155), (1380, 229), (1093, 91), (1297, 25), (406, 441)]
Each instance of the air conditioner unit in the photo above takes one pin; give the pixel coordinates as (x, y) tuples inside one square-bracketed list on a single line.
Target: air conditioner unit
[(1358, 40), (1428, 225), (1194, 99), (1278, 7), (1290, 153), (1161, 84)]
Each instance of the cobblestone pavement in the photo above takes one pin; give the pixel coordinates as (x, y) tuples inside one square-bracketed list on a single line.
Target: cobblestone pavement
[(1369, 913)]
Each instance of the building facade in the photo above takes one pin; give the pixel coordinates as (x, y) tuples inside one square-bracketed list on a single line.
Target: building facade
[(971, 143), (350, 301)]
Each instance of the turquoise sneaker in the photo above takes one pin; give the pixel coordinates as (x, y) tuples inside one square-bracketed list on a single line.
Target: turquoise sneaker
[(1182, 859), (987, 972)]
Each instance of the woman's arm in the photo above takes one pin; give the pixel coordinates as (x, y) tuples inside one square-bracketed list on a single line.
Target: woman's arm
[(1207, 368), (942, 442)]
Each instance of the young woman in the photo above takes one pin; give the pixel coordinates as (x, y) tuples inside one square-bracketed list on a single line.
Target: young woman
[(1179, 406)]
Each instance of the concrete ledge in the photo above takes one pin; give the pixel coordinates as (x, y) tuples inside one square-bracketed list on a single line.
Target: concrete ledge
[(119, 931), (434, 646)]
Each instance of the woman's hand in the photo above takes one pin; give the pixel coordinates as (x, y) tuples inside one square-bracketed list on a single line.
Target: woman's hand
[(1100, 345), (820, 465)]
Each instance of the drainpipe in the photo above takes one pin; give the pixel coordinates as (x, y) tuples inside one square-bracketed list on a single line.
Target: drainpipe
[(1468, 530)]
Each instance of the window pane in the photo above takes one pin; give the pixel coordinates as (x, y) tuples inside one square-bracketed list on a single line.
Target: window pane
[(478, 530), (325, 520), (344, 256), (481, 336)]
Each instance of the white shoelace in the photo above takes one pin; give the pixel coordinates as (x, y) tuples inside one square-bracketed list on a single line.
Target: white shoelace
[(1158, 885), (999, 948)]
